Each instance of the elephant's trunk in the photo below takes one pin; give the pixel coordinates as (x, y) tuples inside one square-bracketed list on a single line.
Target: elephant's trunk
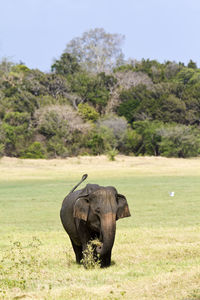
[(108, 228)]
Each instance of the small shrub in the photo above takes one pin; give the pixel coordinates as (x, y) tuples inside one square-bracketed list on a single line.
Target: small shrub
[(95, 143), (18, 265), (111, 154), (91, 259), (87, 112), (35, 150)]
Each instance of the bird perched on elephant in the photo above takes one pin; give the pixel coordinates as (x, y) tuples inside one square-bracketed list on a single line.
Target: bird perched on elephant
[(91, 213)]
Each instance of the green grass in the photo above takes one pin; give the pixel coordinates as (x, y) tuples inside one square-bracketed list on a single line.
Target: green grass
[(156, 254)]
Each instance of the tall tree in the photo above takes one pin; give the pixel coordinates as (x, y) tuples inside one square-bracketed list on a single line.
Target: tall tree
[(97, 50), (67, 64), (192, 64)]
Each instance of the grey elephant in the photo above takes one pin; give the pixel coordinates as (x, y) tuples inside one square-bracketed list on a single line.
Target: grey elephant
[(91, 213)]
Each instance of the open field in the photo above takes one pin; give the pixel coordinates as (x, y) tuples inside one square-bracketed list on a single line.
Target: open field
[(156, 254)]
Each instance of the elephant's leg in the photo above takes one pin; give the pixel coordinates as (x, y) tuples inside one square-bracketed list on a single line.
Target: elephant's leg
[(106, 260), (83, 232), (78, 252)]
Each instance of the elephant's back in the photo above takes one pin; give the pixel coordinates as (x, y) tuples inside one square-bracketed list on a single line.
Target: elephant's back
[(70, 199)]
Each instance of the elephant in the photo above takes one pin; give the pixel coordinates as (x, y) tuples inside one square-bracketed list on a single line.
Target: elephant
[(91, 213)]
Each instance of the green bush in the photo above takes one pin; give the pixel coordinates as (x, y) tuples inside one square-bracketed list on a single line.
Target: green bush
[(132, 142), (95, 143), (15, 138), (173, 109), (17, 118), (111, 154), (56, 147), (150, 137), (137, 101), (91, 260), (179, 141), (92, 88), (109, 139), (2, 147), (35, 150), (87, 112), (67, 64)]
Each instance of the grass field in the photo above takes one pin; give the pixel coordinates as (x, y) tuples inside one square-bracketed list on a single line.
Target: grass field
[(156, 254)]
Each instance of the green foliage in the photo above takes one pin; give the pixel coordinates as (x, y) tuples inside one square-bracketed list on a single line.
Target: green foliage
[(107, 81), (171, 70), (87, 112), (2, 148), (14, 138), (179, 141), (153, 68), (91, 88), (173, 109), (136, 101), (185, 75), (150, 137), (192, 65), (107, 134), (56, 147), (132, 142), (19, 102), (95, 143), (48, 100), (66, 65), (72, 111), (171, 140), (17, 118), (101, 140), (124, 68), (20, 68), (111, 154), (35, 150), (62, 128)]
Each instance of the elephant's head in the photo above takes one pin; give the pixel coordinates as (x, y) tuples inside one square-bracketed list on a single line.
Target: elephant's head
[(100, 209)]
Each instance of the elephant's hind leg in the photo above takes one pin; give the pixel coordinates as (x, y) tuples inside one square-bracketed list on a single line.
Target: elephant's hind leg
[(78, 252)]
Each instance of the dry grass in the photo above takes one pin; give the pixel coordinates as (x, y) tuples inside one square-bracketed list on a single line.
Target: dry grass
[(13, 168)]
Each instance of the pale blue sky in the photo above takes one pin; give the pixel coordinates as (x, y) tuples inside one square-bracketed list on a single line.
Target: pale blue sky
[(37, 31)]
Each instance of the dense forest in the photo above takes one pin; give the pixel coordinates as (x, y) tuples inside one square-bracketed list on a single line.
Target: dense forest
[(95, 102)]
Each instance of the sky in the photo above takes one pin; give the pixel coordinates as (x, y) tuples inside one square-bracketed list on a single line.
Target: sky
[(36, 32)]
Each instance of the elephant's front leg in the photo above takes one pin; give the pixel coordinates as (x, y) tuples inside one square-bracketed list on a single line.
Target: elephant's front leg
[(78, 252), (83, 232), (106, 259)]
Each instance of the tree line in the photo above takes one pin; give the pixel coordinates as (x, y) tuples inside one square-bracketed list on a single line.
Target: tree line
[(93, 102)]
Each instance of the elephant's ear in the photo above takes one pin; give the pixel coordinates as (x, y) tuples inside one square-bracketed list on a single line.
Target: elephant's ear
[(81, 208), (123, 209)]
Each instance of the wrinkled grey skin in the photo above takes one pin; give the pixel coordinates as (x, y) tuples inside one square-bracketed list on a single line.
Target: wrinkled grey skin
[(91, 213)]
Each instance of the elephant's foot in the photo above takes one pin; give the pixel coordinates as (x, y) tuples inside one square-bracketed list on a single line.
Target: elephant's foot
[(106, 261)]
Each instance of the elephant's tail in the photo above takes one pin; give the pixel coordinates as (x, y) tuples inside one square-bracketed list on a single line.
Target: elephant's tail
[(82, 179)]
